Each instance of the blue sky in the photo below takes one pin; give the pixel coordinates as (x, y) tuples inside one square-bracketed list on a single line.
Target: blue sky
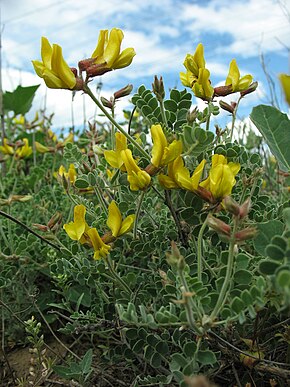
[(162, 33)]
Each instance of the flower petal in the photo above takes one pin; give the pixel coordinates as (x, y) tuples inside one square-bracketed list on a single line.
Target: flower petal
[(114, 221)]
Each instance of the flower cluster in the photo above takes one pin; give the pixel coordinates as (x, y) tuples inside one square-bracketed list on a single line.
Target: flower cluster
[(107, 56), (197, 77), (79, 230), (219, 183), (20, 149)]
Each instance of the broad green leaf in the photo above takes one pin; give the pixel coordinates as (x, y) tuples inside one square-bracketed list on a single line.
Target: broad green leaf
[(275, 128), (265, 233), (20, 100)]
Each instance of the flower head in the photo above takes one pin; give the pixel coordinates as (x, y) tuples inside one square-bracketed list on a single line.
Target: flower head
[(78, 229), (101, 249), (24, 151), (117, 225), (179, 176), (113, 157), (221, 179), (162, 153), (193, 63), (107, 55), (70, 175), (5, 148), (53, 68), (137, 178), (202, 87), (234, 80)]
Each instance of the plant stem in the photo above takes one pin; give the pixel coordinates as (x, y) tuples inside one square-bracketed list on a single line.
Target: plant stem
[(7, 216), (189, 304), (168, 202), (162, 111), (116, 276), (199, 250), (208, 117), (138, 209), (228, 276), (88, 91), (234, 116)]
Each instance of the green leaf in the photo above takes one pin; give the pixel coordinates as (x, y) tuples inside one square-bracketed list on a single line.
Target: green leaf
[(20, 100), (237, 305), (87, 361), (275, 128), (206, 357), (283, 279), (266, 232), (267, 266)]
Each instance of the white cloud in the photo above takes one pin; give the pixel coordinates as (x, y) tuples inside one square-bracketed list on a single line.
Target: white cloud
[(253, 25)]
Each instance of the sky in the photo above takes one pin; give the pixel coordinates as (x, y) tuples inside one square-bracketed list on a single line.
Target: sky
[(162, 33)]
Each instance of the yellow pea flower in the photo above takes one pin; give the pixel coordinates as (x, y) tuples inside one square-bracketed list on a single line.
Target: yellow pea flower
[(70, 175), (117, 225), (101, 249), (188, 182), (5, 148), (162, 153), (107, 52), (193, 63), (202, 87), (24, 151), (137, 178), (285, 82), (53, 68), (113, 157), (78, 229), (179, 176), (234, 80), (41, 148), (221, 179), (52, 135)]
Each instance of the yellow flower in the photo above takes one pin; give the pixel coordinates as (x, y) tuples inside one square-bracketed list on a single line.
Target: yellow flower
[(52, 135), (285, 82), (234, 80), (101, 249), (137, 178), (78, 229), (113, 157), (188, 182), (108, 48), (24, 151), (162, 153), (20, 120), (179, 176), (115, 222), (53, 68), (5, 148), (193, 63), (221, 177), (70, 175), (41, 148), (202, 87)]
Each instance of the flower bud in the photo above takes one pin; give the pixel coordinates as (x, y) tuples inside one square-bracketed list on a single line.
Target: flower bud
[(174, 258), (222, 91), (192, 115), (85, 63), (74, 71), (97, 70), (123, 92), (158, 88), (250, 89), (245, 234), (107, 103), (245, 207), (228, 107), (218, 225), (41, 227), (55, 221), (231, 205)]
